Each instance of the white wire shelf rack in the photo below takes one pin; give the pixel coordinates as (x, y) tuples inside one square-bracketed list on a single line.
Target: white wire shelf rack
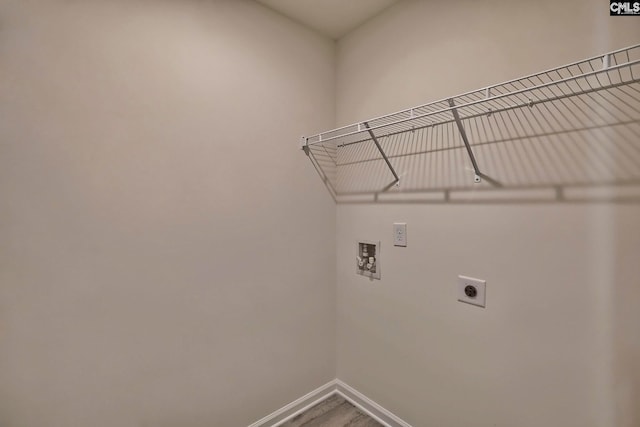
[(575, 124)]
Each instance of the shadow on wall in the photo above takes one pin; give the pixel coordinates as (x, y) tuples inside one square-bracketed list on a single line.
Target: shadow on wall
[(566, 135)]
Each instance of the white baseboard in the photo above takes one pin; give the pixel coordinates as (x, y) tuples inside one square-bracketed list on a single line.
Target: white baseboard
[(359, 400), (371, 408), (297, 406)]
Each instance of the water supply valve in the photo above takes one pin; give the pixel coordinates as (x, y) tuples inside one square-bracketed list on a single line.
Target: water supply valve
[(368, 259)]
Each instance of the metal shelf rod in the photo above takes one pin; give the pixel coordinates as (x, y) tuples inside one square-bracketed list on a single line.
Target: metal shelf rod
[(488, 88), (547, 114), (492, 111), (384, 156), (463, 135), (484, 100)]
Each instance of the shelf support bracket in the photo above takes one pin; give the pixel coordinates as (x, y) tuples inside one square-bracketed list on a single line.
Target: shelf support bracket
[(303, 145), (384, 156), (463, 134)]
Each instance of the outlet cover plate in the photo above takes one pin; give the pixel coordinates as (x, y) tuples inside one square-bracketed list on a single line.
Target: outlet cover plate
[(478, 291), (400, 234)]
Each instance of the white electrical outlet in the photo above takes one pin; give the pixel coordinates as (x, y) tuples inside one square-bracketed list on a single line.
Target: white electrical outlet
[(400, 234), (472, 291)]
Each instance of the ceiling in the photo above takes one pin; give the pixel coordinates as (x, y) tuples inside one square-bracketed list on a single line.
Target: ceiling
[(333, 18)]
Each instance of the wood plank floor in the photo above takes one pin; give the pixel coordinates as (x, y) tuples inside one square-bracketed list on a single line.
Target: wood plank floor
[(335, 411)]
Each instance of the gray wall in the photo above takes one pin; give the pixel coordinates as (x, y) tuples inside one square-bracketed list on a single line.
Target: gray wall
[(168, 256), (167, 253), (555, 344)]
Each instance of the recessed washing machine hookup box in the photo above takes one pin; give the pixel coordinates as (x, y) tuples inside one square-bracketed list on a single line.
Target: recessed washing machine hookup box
[(368, 258)]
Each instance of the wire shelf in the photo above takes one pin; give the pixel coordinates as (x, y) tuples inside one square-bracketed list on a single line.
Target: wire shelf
[(554, 127)]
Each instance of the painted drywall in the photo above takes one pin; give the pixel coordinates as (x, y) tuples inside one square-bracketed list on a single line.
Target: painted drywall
[(555, 345), (167, 255), (333, 18)]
